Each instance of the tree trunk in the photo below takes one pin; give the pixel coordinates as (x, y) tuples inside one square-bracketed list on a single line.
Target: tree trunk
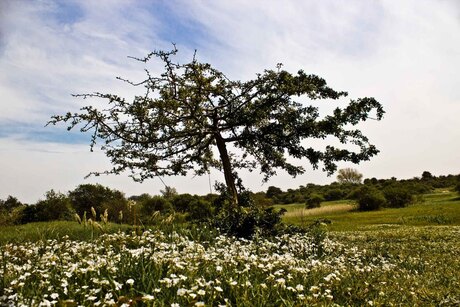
[(229, 180)]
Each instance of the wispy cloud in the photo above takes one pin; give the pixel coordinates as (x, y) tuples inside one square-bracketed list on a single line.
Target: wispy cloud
[(404, 53)]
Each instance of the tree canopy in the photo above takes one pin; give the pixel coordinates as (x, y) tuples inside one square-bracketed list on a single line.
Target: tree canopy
[(189, 109), (349, 175)]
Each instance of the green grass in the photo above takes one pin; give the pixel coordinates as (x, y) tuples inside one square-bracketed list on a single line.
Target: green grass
[(392, 257), (440, 208), (56, 230)]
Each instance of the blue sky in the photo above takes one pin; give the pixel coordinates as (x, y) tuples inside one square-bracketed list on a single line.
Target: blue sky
[(404, 53)]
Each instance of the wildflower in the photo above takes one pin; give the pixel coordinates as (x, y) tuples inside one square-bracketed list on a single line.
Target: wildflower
[(314, 288), (281, 281), (175, 305), (201, 292), (218, 289), (299, 287), (54, 296), (130, 282), (199, 304), (181, 292), (148, 297)]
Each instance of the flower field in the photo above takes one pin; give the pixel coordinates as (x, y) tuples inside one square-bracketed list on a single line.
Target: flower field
[(383, 266)]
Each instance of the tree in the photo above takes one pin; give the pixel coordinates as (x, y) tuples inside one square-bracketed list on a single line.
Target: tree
[(10, 203), (426, 175), (349, 175), (55, 206), (189, 109), (273, 192), (87, 196), (169, 192), (314, 201)]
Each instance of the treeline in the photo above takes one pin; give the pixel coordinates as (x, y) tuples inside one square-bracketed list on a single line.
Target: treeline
[(89, 200), (371, 194), (96, 200)]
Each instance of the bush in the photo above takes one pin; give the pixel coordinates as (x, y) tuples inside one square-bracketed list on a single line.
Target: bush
[(55, 206), (87, 196), (155, 203), (199, 210), (398, 197), (314, 201), (370, 199), (245, 219), (334, 194), (181, 202)]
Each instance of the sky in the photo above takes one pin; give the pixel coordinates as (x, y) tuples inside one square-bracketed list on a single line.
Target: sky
[(404, 53)]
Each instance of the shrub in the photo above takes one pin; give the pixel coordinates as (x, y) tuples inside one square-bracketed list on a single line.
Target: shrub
[(370, 199), (55, 206), (182, 202), (245, 219), (199, 210), (155, 203), (87, 196), (314, 201), (334, 194), (398, 197)]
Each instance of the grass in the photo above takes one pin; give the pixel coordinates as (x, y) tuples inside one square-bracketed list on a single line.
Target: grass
[(440, 208), (392, 257), (56, 230)]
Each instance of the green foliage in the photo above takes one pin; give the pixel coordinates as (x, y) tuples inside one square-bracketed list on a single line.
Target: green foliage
[(181, 202), (199, 210), (349, 175), (169, 192), (155, 203), (55, 206), (244, 220), (397, 196), (260, 199), (190, 108), (11, 202), (314, 201), (370, 199), (11, 211), (87, 196), (334, 194), (273, 192)]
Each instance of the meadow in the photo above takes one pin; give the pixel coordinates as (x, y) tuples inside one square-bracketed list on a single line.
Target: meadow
[(391, 257)]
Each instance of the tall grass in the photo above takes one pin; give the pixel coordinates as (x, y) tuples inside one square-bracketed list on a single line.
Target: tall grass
[(433, 209)]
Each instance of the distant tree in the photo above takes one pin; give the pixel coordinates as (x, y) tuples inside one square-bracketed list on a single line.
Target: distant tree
[(100, 198), (10, 203), (169, 192), (369, 198), (155, 203), (314, 201), (349, 175), (55, 206), (11, 211), (397, 196), (426, 175), (189, 108), (273, 192)]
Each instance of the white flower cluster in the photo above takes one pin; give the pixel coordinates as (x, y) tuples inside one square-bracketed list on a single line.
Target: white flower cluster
[(159, 269)]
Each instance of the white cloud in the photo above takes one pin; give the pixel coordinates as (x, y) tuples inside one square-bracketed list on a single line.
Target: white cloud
[(404, 53)]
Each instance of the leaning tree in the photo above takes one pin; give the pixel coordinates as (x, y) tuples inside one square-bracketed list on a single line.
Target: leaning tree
[(189, 109)]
